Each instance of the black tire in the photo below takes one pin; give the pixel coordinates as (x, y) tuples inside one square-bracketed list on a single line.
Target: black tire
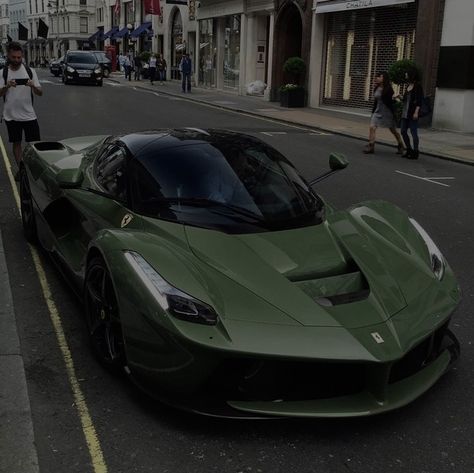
[(27, 209), (100, 83), (106, 73), (102, 317)]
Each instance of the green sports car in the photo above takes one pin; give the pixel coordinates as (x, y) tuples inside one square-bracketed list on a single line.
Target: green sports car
[(220, 282)]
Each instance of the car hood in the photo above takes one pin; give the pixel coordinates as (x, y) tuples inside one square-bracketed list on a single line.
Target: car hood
[(342, 272)]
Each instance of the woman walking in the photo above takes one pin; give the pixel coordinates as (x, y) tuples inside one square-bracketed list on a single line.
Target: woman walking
[(383, 114), (412, 101)]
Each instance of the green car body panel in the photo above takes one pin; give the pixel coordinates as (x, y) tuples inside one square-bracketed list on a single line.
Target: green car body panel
[(269, 289)]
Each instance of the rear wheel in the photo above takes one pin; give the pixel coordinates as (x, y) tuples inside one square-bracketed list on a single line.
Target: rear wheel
[(27, 208), (102, 316)]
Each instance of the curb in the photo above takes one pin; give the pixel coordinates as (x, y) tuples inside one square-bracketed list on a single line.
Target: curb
[(431, 153), (17, 442)]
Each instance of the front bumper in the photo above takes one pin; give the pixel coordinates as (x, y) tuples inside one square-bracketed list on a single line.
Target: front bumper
[(266, 388), (85, 77)]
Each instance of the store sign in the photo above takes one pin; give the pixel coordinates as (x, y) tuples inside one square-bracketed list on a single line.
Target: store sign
[(326, 6)]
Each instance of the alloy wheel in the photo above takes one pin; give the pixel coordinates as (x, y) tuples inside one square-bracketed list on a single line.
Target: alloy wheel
[(102, 316)]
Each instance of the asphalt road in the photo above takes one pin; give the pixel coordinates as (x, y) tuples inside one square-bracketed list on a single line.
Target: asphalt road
[(432, 435)]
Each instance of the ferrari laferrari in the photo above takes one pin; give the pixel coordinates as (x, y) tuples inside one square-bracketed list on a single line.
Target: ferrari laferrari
[(214, 275)]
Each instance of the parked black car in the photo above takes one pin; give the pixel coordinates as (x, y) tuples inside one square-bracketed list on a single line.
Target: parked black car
[(82, 67), (56, 66), (104, 61)]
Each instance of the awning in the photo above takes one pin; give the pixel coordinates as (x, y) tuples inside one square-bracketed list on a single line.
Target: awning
[(123, 32), (142, 29), (326, 6), (203, 45), (180, 47), (97, 36), (111, 34)]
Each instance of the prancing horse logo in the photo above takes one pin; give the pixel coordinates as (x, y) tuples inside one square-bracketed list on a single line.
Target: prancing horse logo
[(377, 337), (126, 220)]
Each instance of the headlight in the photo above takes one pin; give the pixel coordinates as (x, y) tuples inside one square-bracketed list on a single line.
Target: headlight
[(176, 302), (438, 264), (70, 69), (98, 71)]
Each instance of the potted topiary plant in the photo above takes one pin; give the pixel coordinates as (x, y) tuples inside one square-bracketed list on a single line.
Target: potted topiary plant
[(399, 72), (293, 94)]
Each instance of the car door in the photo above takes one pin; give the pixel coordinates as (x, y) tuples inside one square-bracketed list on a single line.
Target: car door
[(103, 205)]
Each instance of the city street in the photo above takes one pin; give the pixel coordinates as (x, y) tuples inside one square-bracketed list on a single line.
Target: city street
[(136, 434)]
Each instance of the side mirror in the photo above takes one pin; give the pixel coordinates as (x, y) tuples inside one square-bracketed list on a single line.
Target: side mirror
[(337, 162), (69, 178)]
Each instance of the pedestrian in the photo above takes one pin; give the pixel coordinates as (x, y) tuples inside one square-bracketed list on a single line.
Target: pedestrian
[(127, 65), (152, 68), (19, 83), (208, 73), (138, 67), (383, 113), (161, 66), (412, 102), (186, 68), (121, 60)]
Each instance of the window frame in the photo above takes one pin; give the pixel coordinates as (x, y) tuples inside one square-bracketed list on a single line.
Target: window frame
[(106, 151)]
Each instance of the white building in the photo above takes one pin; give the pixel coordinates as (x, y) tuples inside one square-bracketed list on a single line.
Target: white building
[(36, 47), (4, 24), (71, 23), (17, 14), (454, 104)]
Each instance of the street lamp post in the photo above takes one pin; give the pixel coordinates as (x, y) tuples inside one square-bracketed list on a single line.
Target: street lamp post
[(130, 28)]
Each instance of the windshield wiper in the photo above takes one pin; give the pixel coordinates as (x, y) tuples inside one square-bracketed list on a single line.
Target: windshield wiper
[(209, 203)]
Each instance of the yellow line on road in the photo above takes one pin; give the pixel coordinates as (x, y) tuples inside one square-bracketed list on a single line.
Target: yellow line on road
[(88, 428)]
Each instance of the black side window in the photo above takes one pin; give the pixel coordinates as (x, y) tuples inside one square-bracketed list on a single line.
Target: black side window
[(110, 172)]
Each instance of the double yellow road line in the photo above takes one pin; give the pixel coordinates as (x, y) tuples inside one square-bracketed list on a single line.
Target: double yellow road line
[(90, 434)]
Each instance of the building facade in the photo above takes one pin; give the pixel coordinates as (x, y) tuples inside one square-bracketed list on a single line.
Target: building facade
[(4, 24), (17, 14), (37, 49), (454, 104)]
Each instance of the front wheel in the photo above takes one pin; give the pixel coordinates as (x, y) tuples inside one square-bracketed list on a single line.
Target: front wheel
[(27, 209), (102, 316), (106, 73), (100, 83)]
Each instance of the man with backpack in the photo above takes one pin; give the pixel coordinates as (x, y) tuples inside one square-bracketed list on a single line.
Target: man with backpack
[(18, 83)]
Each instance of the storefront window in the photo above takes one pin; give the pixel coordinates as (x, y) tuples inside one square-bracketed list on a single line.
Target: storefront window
[(208, 53), (232, 51), (360, 44)]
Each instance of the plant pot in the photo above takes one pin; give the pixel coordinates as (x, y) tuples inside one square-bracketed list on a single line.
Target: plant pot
[(292, 98)]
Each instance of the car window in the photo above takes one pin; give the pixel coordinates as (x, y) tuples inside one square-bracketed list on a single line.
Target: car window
[(110, 172), (81, 59)]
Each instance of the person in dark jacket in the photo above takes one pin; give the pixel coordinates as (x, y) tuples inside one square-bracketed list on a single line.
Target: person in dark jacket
[(186, 69), (138, 66), (383, 113), (412, 101)]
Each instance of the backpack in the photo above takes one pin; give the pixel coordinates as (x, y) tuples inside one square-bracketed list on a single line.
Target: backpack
[(425, 108), (5, 77)]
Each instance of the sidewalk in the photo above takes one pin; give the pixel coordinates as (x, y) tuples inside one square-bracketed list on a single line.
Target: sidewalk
[(443, 144)]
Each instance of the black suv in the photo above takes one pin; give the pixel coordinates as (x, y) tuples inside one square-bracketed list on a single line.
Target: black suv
[(104, 61), (82, 67)]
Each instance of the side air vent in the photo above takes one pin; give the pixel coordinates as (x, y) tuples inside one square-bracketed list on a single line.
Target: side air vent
[(49, 146)]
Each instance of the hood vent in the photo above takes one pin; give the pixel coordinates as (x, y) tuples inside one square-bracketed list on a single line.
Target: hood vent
[(336, 290)]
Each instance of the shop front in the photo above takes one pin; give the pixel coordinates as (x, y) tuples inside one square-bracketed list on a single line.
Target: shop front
[(362, 38)]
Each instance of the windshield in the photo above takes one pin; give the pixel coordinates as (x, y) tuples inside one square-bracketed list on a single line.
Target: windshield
[(248, 182), (82, 59)]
